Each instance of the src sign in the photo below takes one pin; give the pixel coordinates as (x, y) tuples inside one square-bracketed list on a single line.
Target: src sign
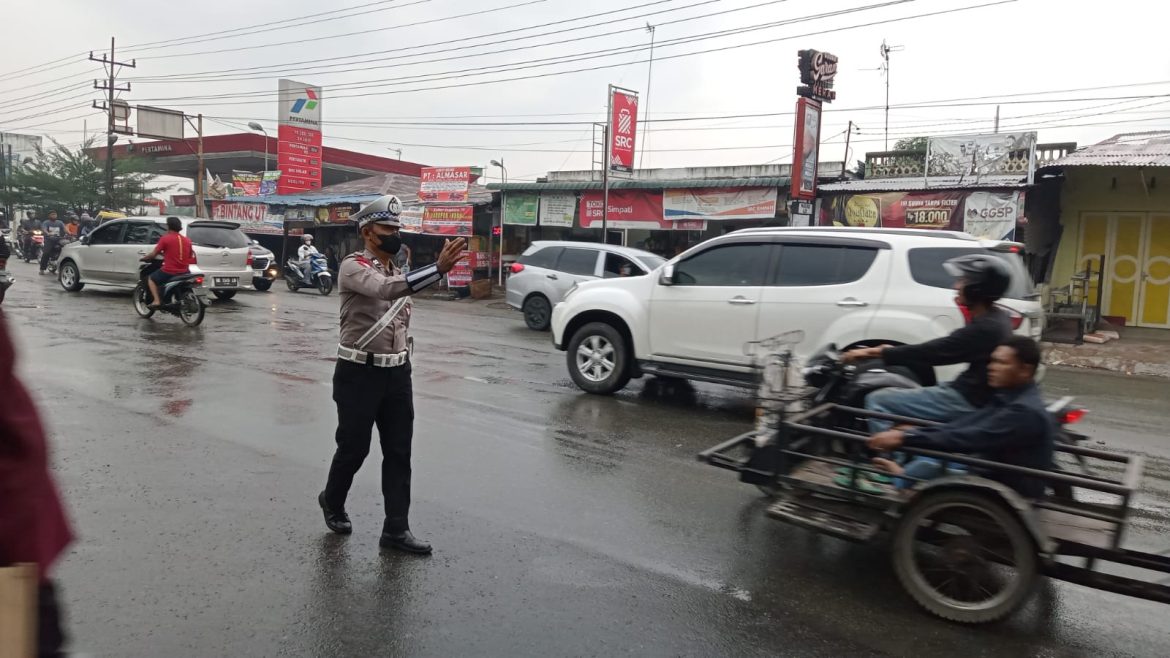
[(817, 72)]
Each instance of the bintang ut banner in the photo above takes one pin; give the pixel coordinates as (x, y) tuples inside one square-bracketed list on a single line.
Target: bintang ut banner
[(719, 203), (981, 213), (252, 217)]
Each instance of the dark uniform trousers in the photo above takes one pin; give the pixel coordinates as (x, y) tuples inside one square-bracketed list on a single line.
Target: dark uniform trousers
[(366, 396)]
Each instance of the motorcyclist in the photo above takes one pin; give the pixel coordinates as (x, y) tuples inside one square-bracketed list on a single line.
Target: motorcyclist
[(54, 230), (6, 279), (87, 224), (27, 226), (981, 279), (306, 251)]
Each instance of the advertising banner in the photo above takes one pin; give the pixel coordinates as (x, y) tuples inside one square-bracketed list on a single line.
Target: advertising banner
[(719, 203), (444, 184), (268, 182), (299, 136), (411, 218), (975, 155), (520, 208), (806, 146), (245, 183), (252, 217), (447, 220), (339, 214), (983, 214), (623, 129), (557, 209), (991, 215), (631, 209)]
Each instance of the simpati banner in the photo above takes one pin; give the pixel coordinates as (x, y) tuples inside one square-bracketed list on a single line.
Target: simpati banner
[(557, 209), (719, 203), (444, 184), (991, 215), (623, 129), (447, 220), (631, 209), (520, 208)]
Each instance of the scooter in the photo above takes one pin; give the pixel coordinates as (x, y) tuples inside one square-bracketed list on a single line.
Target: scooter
[(180, 296), (55, 255), (319, 275), (36, 244)]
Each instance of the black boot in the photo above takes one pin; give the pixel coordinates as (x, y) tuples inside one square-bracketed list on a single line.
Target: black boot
[(403, 540), (337, 521)]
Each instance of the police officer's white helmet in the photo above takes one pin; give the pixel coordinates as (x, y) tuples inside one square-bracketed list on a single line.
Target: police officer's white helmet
[(306, 238), (385, 210)]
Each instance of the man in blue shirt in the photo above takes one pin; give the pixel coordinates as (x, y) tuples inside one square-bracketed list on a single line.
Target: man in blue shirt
[(54, 230), (1014, 428)]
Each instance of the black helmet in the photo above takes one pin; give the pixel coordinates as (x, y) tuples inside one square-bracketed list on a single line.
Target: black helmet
[(986, 277)]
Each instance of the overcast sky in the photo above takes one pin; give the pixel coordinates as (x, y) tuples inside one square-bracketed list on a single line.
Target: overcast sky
[(1004, 53)]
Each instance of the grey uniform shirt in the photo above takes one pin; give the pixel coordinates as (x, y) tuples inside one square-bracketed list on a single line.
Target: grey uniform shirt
[(367, 290)]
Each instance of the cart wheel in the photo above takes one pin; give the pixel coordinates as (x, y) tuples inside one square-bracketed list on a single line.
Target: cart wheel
[(964, 557)]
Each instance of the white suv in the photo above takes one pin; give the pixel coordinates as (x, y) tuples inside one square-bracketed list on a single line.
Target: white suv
[(849, 286)]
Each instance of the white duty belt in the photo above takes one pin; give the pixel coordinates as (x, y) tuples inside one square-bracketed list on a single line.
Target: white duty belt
[(357, 353)]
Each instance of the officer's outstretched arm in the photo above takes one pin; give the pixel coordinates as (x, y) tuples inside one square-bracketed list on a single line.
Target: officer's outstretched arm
[(359, 275)]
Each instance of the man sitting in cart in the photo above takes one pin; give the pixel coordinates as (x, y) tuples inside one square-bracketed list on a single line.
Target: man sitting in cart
[(980, 280), (1014, 428)]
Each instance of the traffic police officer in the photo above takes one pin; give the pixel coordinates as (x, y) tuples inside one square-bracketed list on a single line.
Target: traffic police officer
[(371, 383)]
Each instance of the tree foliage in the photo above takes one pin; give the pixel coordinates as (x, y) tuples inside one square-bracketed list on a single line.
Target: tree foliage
[(62, 179), (911, 144)]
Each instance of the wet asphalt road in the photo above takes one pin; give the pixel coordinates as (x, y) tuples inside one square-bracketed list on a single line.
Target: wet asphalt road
[(564, 524)]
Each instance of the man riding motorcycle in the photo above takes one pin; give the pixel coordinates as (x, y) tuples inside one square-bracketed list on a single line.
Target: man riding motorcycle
[(25, 233), (306, 251), (981, 279), (54, 230)]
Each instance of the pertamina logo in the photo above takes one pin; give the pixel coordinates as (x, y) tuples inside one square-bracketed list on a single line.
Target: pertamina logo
[(306, 103)]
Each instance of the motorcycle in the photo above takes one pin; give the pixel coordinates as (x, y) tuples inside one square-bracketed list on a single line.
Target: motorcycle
[(36, 244), (319, 275), (180, 296), (55, 254)]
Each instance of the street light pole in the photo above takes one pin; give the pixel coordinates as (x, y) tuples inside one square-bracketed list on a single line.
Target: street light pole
[(503, 197), (256, 126)]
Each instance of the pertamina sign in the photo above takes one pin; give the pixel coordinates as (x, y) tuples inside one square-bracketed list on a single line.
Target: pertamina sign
[(623, 129), (817, 72), (299, 149)]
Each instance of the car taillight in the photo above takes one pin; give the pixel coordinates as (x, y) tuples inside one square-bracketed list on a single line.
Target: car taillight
[(1072, 415), (517, 268), (249, 261), (198, 280), (1015, 316)]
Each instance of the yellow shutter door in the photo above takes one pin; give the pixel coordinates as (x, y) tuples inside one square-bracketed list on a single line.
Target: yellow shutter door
[(1123, 266), (1094, 243), (1155, 276)]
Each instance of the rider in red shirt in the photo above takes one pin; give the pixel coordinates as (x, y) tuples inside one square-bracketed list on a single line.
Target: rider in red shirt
[(178, 257)]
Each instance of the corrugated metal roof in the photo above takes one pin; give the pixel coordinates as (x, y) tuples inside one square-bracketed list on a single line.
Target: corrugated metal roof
[(623, 184), (1146, 149), (916, 184)]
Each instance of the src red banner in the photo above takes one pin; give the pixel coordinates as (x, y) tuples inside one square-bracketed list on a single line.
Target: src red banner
[(623, 129)]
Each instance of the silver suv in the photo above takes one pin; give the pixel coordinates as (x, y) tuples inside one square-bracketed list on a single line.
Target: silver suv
[(110, 255), (548, 269)]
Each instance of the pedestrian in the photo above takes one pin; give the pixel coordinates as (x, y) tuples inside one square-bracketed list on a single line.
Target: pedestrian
[(372, 378), (33, 526), (403, 257)]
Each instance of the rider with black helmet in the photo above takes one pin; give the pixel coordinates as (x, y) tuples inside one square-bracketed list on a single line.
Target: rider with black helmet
[(980, 280)]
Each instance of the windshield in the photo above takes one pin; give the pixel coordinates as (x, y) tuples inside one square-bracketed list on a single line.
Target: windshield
[(217, 236)]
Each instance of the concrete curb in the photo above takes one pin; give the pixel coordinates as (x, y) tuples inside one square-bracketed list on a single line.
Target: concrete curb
[(1094, 357)]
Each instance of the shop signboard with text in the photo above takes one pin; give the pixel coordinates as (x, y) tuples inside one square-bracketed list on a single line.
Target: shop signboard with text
[(520, 208), (631, 209), (252, 217), (444, 184), (447, 220), (557, 209), (719, 203), (986, 214), (298, 137), (623, 129)]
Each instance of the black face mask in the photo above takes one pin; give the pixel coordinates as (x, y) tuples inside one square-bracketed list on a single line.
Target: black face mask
[(389, 244)]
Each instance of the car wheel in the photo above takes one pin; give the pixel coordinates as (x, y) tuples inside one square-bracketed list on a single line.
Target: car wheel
[(223, 295), (537, 313), (69, 277), (263, 285), (598, 359)]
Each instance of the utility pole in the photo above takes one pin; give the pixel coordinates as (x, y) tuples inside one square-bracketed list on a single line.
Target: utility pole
[(997, 119), (845, 160), (646, 114), (885, 51), (110, 85)]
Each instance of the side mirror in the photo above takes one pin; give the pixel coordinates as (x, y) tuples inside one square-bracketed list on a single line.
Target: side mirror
[(85, 239), (667, 276)]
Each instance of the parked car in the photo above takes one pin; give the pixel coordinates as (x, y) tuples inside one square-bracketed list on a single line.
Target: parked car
[(547, 269), (263, 266), (848, 286), (109, 256)]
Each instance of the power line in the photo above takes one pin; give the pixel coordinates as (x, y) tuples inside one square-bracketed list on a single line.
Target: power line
[(58, 63)]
